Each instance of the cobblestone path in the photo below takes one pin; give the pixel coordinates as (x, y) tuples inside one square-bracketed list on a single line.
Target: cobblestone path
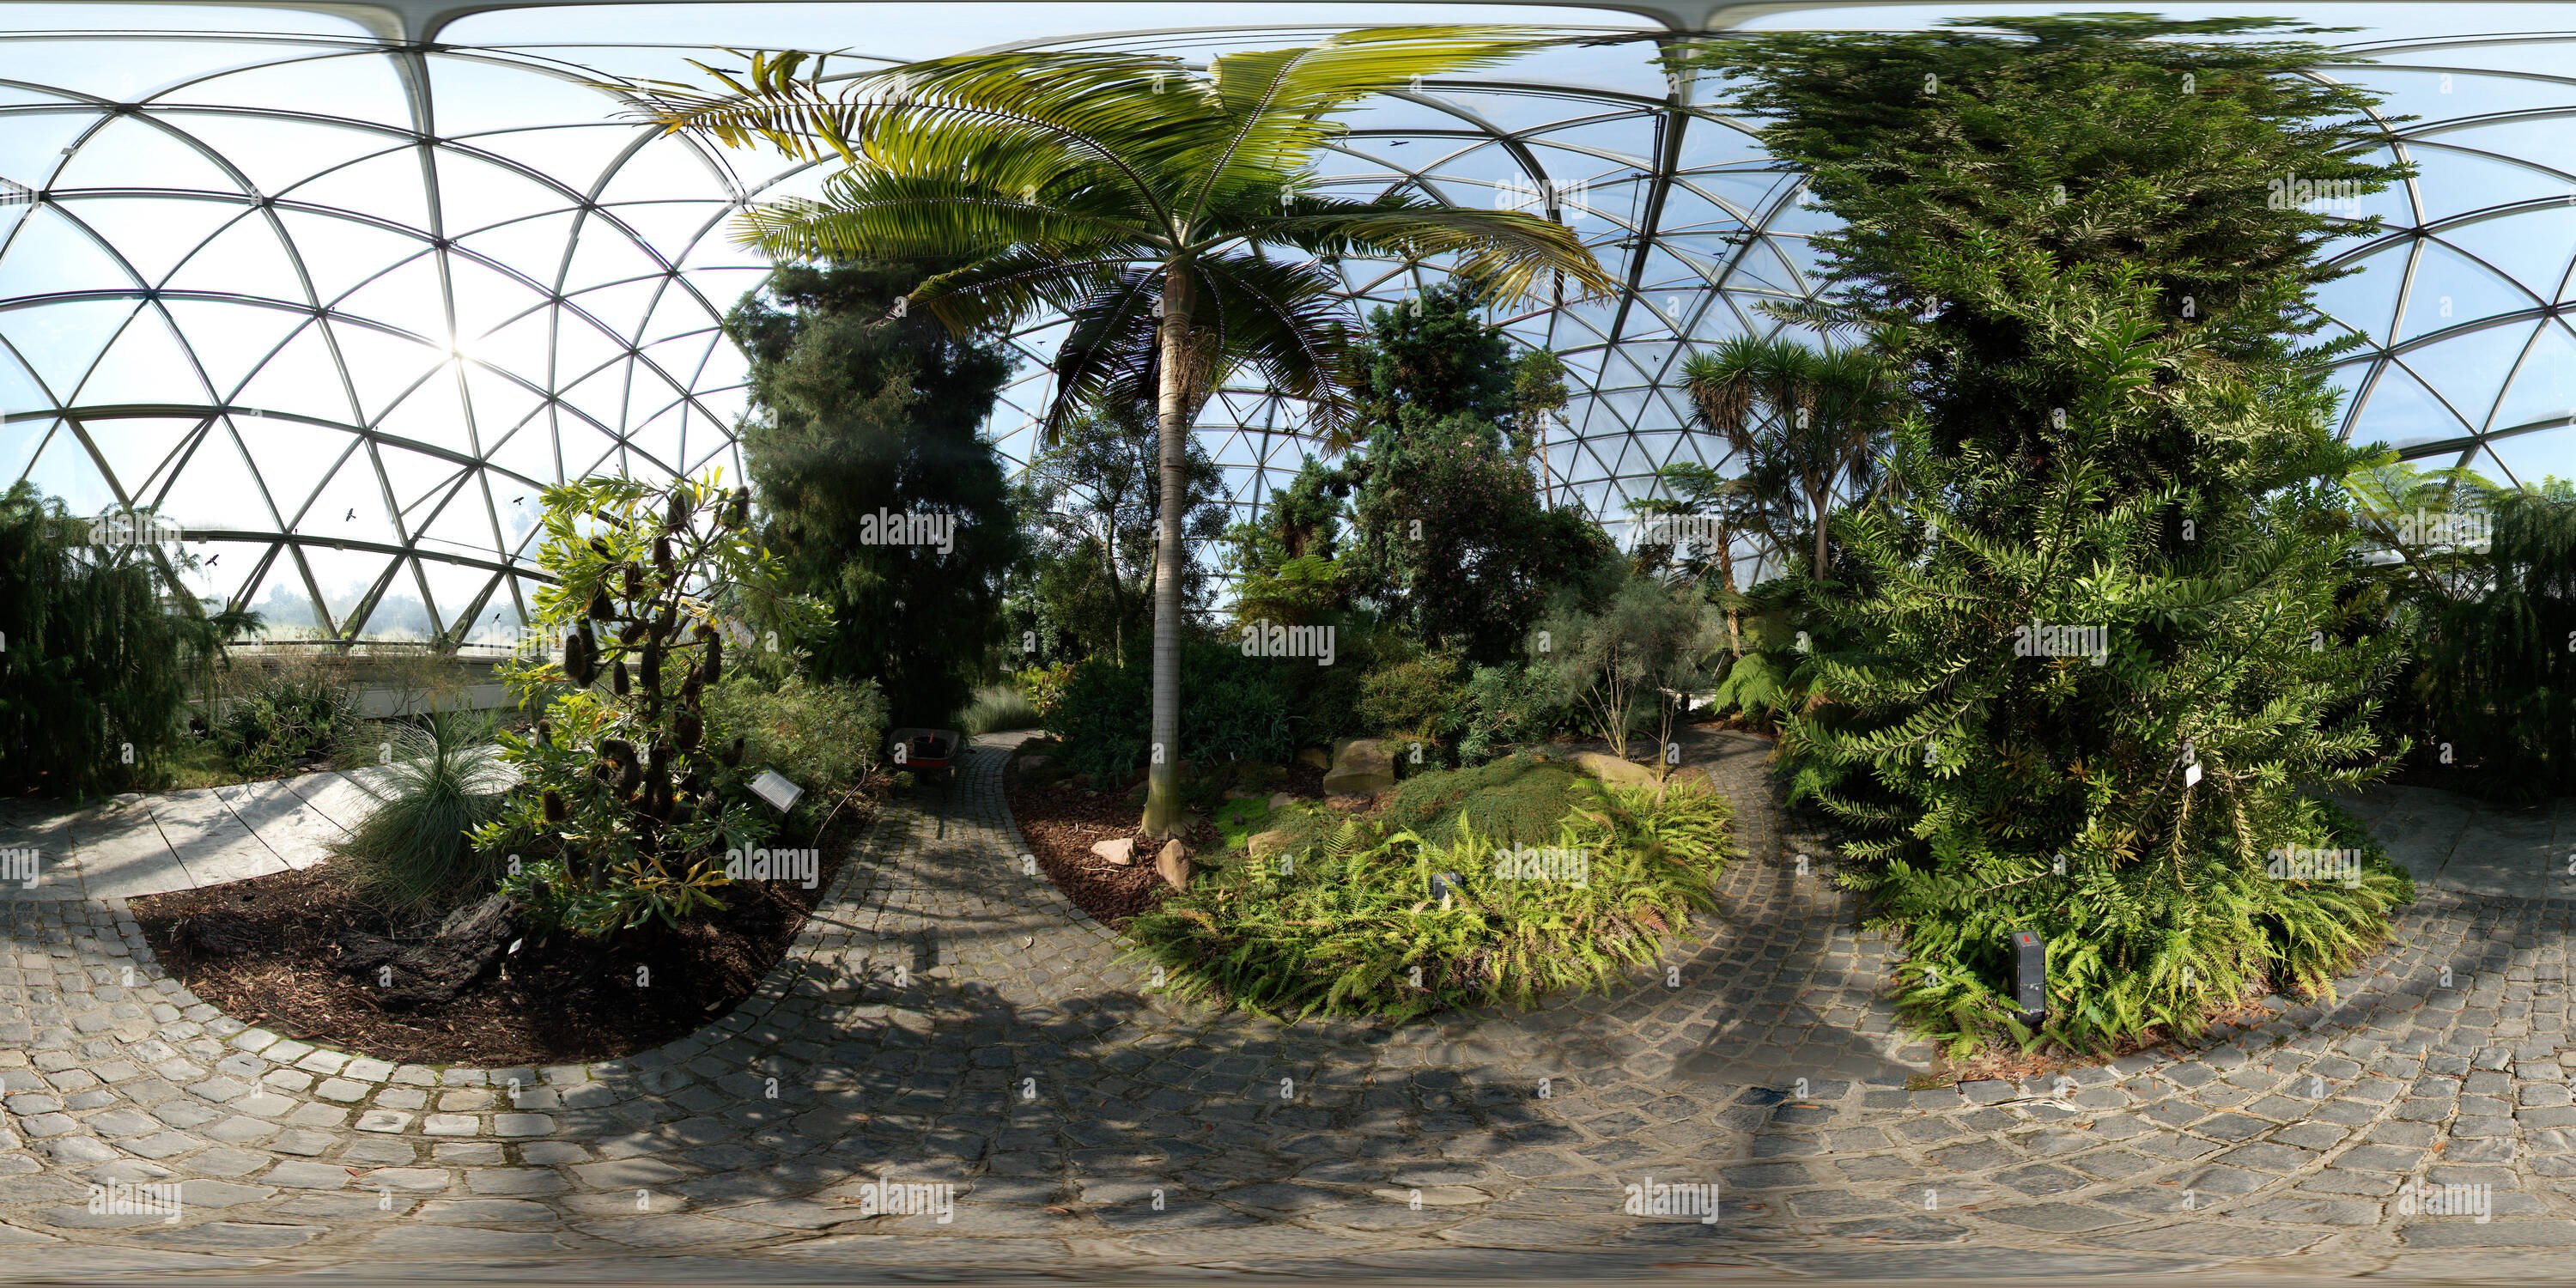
[(949, 1020)]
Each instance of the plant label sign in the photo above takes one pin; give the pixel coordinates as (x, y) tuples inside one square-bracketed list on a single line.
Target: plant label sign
[(774, 788)]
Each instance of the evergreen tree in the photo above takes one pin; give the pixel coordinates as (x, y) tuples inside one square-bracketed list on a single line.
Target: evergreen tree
[(1449, 535), (857, 416), (93, 669), (1089, 505), (2096, 652)]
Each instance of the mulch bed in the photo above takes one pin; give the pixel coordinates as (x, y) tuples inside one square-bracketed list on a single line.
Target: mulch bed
[(1063, 821), (564, 1001)]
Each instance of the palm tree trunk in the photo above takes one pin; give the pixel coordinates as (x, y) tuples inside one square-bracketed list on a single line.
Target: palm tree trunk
[(1816, 502), (1162, 790)]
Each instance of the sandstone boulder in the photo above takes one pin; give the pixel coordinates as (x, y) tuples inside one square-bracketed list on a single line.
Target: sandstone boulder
[(1611, 769), (1173, 865), (1361, 767), (1121, 851)]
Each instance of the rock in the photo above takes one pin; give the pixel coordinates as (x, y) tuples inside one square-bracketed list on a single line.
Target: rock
[(1361, 766), (1611, 769), (1262, 845), (1121, 851), (435, 971), (1173, 865), (1280, 801), (1315, 756), (1350, 803), (1237, 794), (1033, 764)]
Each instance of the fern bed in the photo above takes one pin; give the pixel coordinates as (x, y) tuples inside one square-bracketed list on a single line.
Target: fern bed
[(1344, 921)]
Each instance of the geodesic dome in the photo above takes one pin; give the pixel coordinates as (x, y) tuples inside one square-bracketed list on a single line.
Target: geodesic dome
[(338, 294)]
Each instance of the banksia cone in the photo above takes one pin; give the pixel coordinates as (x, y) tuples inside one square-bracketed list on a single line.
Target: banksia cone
[(662, 558), (617, 679), (712, 669), (634, 582), (659, 759), (678, 518), (554, 805), (600, 544), (630, 779), (738, 510), (600, 607), (687, 729), (652, 657), (545, 733), (731, 755), (618, 750), (668, 623), (578, 662)]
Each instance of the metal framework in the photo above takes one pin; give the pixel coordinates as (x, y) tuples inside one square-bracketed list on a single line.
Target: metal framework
[(339, 304)]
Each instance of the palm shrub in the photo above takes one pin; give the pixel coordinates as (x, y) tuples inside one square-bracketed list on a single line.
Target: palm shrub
[(621, 774), (1347, 924), (2492, 691), (1174, 216), (443, 781)]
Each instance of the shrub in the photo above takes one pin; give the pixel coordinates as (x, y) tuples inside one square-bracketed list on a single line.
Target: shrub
[(414, 855), (296, 710), (1342, 925), (623, 778), (1233, 708), (825, 736), (1518, 800), (1506, 706), (998, 706), (1043, 686), (1615, 667), (1417, 696), (92, 667)]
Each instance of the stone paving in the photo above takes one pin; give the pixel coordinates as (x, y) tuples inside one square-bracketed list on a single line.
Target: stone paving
[(949, 1021)]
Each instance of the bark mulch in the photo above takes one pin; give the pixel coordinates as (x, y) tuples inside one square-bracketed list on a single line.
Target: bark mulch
[(560, 1001), (1064, 820)]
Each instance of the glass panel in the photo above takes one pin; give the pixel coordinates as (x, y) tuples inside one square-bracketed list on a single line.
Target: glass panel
[(136, 153), (51, 253), (244, 259), (2534, 457), (129, 71), (153, 234), (177, 17), (58, 342), (277, 153), (216, 489), (303, 379), (2451, 290), (362, 87), (144, 365), (387, 186), (138, 450), (384, 367), (474, 96), (2544, 388)]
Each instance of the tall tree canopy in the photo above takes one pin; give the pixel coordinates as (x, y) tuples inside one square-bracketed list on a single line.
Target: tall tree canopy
[(859, 418)]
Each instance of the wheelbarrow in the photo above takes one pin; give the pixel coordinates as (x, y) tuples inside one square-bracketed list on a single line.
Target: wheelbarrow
[(924, 751), (928, 752)]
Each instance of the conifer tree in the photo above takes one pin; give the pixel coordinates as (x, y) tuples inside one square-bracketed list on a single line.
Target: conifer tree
[(2099, 650)]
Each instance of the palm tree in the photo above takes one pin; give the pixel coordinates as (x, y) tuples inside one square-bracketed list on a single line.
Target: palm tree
[(1166, 212), (1801, 419)]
